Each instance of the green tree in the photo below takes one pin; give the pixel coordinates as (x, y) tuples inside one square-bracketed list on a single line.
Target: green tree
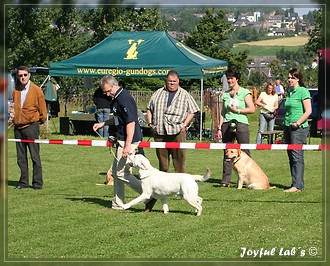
[(256, 79), (209, 37), (247, 34), (317, 35), (276, 70), (40, 35), (180, 19), (103, 21)]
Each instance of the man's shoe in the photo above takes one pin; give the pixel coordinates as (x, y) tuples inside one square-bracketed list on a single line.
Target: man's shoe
[(21, 187), (150, 204), (115, 206), (292, 189), (37, 187)]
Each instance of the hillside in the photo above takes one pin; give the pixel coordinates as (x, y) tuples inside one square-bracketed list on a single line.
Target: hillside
[(270, 47), (286, 41)]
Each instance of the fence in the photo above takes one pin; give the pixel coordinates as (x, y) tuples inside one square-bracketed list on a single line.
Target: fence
[(142, 97), (83, 101)]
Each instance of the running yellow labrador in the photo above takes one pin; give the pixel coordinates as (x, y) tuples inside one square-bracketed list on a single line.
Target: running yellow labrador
[(247, 170)]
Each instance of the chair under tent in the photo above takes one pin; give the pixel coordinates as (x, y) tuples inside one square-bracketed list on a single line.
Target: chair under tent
[(212, 99)]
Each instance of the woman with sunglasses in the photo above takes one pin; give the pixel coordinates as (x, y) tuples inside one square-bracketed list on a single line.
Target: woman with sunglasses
[(298, 108), (30, 111)]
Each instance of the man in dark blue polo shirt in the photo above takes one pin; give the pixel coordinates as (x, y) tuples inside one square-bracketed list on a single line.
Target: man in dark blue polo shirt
[(129, 135)]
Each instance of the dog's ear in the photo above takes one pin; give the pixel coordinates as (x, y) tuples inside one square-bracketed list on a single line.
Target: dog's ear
[(130, 158), (145, 164)]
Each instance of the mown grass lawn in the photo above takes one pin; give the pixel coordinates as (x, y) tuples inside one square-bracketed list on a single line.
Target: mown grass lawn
[(272, 46), (70, 219), (255, 50)]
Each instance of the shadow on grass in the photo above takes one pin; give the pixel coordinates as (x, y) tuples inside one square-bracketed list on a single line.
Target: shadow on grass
[(216, 183), (134, 210), (101, 202), (12, 183), (298, 201), (103, 173), (107, 204)]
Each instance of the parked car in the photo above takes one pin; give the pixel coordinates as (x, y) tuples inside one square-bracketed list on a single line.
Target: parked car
[(315, 116)]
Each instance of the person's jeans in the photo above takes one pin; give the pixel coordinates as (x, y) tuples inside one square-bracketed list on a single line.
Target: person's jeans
[(296, 157), (262, 127), (102, 115)]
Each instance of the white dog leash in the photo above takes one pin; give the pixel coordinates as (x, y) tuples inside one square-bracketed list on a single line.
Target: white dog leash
[(114, 155)]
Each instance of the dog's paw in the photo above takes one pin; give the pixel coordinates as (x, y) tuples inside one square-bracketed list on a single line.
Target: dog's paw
[(126, 206)]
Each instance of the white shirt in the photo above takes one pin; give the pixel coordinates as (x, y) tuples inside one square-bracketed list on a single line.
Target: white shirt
[(24, 91)]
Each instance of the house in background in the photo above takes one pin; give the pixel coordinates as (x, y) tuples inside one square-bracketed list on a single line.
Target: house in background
[(260, 64)]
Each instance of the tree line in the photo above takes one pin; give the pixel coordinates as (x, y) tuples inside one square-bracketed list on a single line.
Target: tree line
[(39, 35)]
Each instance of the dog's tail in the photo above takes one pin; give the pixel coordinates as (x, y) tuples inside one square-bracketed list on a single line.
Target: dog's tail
[(203, 178)]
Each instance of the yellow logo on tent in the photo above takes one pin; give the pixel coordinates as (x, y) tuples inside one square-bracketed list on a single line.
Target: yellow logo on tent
[(190, 51), (132, 52)]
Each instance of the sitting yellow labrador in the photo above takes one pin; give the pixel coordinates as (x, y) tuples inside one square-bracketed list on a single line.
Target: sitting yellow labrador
[(159, 185), (247, 170)]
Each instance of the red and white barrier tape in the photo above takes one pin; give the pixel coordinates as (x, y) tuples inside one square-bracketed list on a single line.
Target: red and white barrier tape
[(183, 145)]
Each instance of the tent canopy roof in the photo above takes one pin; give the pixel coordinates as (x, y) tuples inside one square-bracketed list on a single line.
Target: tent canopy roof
[(139, 54)]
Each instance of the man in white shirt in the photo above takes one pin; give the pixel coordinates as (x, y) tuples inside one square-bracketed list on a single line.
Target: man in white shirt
[(279, 89)]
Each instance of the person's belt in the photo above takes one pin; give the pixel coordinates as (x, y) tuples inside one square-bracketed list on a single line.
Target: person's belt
[(24, 126)]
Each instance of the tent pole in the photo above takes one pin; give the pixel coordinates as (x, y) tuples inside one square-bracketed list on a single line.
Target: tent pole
[(201, 113), (47, 118)]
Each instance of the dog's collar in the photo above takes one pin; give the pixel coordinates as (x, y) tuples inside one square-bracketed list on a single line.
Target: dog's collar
[(236, 159), (146, 173)]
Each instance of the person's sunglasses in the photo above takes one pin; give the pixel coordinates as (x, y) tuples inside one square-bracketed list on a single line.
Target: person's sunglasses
[(291, 78), (21, 75)]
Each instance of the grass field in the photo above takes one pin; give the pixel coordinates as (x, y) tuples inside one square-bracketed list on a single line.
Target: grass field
[(270, 47), (70, 219)]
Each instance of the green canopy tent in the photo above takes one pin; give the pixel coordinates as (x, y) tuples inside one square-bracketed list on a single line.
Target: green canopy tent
[(140, 54)]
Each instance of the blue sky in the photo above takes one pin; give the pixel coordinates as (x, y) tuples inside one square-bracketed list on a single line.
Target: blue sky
[(303, 11)]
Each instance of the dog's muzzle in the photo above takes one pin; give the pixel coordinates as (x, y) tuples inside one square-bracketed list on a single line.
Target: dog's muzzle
[(230, 160)]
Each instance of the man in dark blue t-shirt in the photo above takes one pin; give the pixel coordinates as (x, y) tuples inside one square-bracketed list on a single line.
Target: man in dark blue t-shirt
[(129, 135)]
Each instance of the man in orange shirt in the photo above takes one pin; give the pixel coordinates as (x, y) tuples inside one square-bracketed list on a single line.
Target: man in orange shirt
[(30, 111)]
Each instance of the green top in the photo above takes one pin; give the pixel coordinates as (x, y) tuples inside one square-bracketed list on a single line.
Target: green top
[(239, 101), (294, 105)]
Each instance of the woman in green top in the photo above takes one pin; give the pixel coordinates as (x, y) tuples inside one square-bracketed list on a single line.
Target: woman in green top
[(236, 104), (298, 108)]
